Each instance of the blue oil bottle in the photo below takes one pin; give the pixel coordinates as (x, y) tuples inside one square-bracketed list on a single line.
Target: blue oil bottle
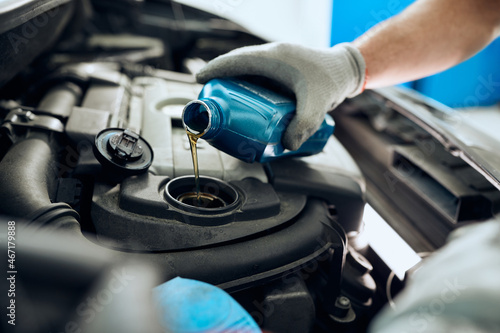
[(247, 121)]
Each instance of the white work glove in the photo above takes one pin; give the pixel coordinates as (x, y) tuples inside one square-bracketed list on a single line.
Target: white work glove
[(320, 78)]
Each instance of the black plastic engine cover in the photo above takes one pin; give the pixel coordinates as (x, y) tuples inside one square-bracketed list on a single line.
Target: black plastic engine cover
[(284, 215), (136, 215)]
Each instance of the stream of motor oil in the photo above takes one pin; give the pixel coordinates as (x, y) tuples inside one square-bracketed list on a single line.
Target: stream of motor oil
[(193, 139)]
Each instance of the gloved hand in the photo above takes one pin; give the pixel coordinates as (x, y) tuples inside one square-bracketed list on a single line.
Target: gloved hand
[(320, 78)]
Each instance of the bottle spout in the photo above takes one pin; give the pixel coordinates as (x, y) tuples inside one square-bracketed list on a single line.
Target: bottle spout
[(197, 117)]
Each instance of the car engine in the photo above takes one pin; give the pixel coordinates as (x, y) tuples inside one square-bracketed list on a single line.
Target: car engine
[(84, 83)]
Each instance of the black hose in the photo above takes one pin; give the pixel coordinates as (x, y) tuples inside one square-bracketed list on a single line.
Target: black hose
[(28, 171), (61, 99), (27, 176)]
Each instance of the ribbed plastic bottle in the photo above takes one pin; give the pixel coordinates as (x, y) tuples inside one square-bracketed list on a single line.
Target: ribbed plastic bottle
[(247, 121)]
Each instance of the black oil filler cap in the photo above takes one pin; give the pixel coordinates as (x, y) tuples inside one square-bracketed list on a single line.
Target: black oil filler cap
[(122, 152)]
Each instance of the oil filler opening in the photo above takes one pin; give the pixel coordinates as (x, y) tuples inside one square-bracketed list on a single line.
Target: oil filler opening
[(216, 196)]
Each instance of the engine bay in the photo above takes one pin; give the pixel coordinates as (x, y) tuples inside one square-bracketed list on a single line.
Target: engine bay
[(285, 239)]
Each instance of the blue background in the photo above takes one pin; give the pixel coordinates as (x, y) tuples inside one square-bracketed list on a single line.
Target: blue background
[(475, 82)]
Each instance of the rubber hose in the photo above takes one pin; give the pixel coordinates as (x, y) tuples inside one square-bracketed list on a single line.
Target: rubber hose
[(27, 177)]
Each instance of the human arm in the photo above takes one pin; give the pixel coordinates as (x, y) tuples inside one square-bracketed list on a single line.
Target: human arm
[(427, 37)]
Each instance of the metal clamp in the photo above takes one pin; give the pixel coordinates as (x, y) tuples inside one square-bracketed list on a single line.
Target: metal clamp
[(25, 118)]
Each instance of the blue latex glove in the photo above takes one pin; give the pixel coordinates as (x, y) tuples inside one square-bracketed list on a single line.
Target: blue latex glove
[(190, 306)]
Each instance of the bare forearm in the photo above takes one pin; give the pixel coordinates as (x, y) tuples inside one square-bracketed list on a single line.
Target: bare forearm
[(428, 37)]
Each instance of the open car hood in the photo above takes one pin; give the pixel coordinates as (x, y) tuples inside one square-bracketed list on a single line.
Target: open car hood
[(450, 127)]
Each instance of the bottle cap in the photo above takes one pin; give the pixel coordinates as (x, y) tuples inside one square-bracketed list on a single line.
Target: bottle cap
[(122, 152)]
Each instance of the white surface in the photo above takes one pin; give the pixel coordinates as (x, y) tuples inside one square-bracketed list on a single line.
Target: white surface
[(299, 21), (393, 250), (485, 119)]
